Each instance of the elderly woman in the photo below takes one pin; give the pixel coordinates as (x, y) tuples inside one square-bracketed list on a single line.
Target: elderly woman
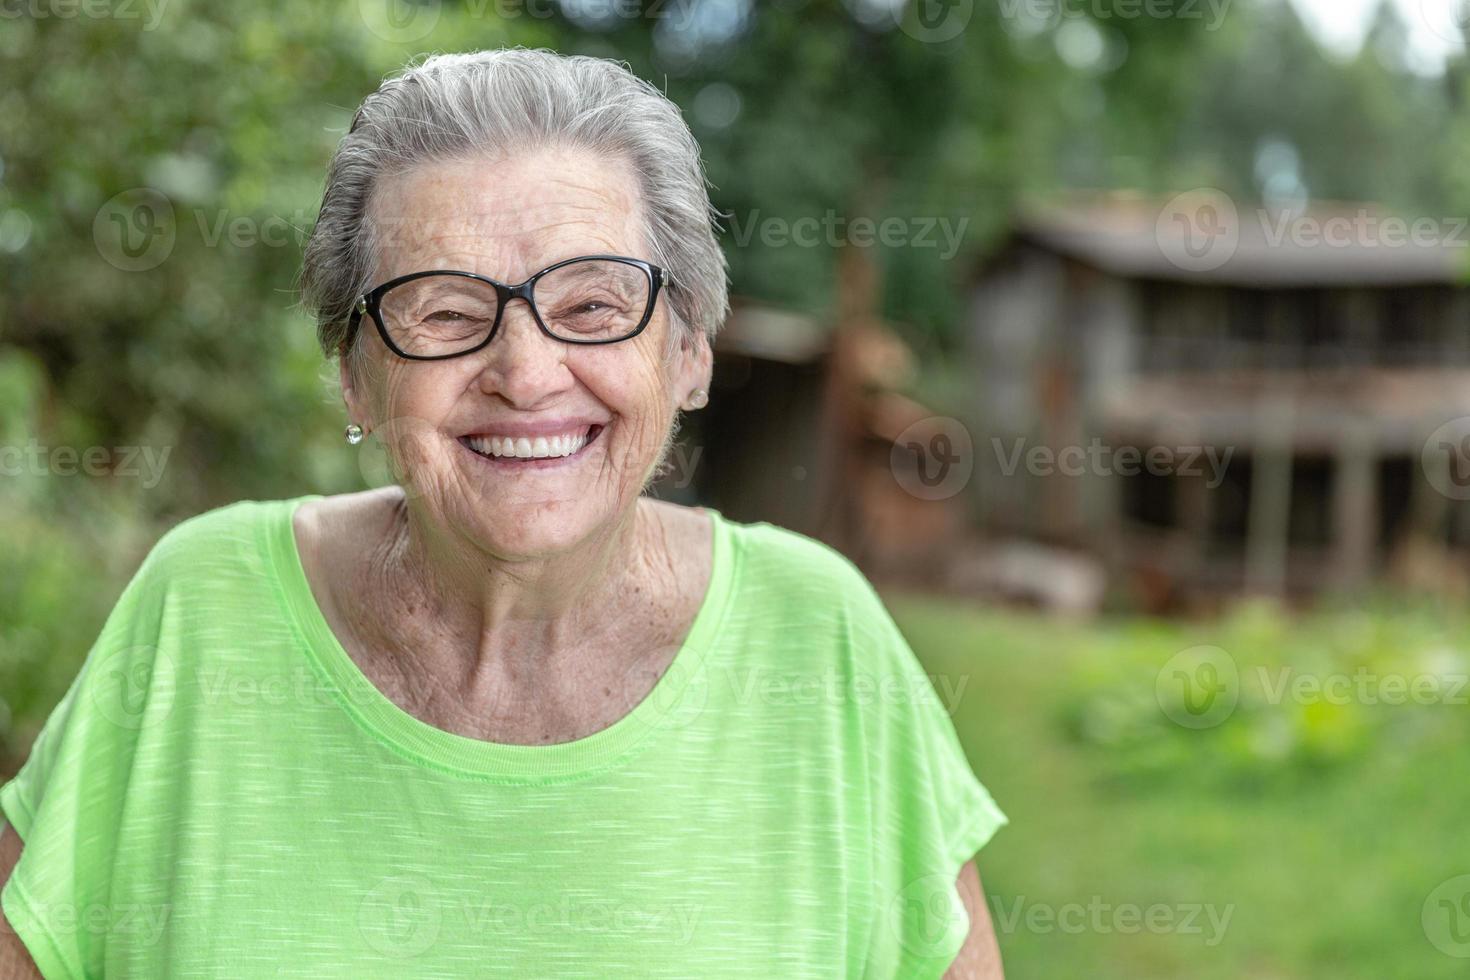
[(508, 717)]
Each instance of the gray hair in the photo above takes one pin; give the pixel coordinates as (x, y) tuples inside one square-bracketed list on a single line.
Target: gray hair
[(453, 106)]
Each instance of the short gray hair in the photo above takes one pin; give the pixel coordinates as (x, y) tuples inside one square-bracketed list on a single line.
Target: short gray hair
[(499, 102)]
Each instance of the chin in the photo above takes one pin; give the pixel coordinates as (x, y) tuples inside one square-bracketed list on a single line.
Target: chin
[(535, 529)]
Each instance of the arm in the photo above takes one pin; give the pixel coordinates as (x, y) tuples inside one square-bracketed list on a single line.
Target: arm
[(979, 957), (15, 961)]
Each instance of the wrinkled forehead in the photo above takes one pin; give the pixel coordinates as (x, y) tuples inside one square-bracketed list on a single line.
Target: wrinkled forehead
[(506, 219)]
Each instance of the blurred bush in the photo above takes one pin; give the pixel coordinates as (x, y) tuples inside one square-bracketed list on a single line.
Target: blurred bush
[(1301, 695)]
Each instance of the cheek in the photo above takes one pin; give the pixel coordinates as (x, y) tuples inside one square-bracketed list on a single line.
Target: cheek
[(413, 452), (409, 407), (421, 392), (635, 386)]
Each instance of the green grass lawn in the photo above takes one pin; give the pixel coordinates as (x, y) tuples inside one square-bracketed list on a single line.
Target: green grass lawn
[(1320, 830)]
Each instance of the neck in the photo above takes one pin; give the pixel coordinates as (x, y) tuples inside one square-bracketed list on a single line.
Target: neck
[(498, 616)]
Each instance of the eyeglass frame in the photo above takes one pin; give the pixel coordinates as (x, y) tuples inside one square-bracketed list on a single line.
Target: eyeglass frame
[(369, 304)]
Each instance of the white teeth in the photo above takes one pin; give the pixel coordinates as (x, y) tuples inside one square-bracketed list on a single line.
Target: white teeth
[(523, 447)]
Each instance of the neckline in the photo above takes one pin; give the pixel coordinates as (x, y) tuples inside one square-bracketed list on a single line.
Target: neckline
[(677, 695)]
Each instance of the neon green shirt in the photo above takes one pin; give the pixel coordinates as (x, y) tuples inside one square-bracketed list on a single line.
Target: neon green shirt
[(222, 792)]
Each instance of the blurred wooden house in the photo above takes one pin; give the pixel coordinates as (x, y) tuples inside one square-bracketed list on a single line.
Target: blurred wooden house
[(1315, 370), (800, 431)]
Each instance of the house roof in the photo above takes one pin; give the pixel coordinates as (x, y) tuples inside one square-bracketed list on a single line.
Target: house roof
[(1204, 236), (771, 333)]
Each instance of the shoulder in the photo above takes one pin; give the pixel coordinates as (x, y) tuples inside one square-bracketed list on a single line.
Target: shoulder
[(806, 584), (793, 559), (219, 547), (781, 559), (219, 524), (342, 514), (222, 529)]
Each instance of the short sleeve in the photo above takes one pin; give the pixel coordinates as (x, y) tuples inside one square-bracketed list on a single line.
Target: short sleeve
[(66, 801), (931, 813)]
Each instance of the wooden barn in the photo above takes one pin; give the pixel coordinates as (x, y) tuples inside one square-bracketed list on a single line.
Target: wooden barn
[(1217, 400), (800, 431)]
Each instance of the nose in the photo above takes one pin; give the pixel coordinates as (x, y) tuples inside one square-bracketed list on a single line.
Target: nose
[(522, 364)]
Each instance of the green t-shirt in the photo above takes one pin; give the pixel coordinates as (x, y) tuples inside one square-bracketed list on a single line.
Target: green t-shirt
[(222, 792)]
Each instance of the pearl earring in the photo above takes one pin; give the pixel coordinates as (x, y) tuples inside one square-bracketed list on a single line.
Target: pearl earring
[(353, 434), (698, 398)]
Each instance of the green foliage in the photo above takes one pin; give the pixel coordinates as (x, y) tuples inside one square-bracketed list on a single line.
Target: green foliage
[(1308, 695), (58, 578)]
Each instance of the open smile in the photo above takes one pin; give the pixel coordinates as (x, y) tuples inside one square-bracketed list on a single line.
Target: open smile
[(535, 452)]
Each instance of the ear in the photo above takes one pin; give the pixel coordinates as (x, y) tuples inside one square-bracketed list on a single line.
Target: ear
[(694, 367)]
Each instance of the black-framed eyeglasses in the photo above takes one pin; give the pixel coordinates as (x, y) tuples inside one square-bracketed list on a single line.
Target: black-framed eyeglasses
[(443, 313)]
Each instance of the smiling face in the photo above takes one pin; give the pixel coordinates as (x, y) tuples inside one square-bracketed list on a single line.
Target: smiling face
[(529, 446)]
